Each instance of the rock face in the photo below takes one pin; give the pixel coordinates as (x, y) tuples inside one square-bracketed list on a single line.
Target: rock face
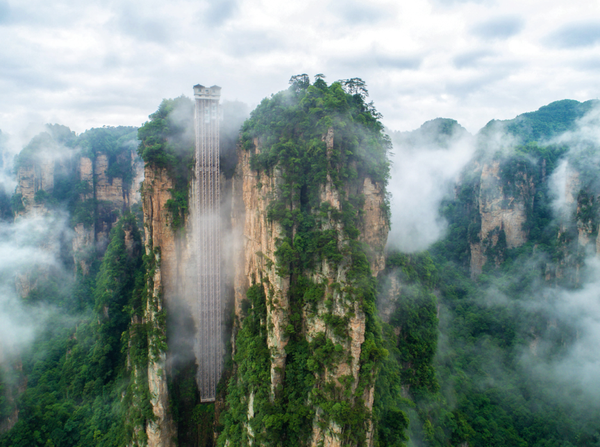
[(111, 197), (32, 178), (252, 193), (170, 291), (160, 244), (503, 212), (101, 201), (107, 189), (375, 227), (260, 239)]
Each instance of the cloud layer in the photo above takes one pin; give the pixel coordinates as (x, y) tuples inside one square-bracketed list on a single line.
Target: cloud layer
[(426, 164), (29, 251), (104, 62)]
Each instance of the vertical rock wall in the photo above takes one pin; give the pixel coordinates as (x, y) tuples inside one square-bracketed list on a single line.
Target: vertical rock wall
[(160, 244), (111, 196), (258, 262), (503, 214), (258, 257)]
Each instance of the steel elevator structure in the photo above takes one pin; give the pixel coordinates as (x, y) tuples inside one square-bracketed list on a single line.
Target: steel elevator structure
[(207, 229)]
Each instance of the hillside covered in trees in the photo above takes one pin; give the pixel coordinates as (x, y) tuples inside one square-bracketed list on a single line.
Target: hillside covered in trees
[(482, 333)]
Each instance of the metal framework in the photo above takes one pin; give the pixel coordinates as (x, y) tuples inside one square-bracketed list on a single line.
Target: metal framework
[(209, 342)]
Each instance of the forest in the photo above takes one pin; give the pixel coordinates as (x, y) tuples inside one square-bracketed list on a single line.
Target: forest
[(485, 338)]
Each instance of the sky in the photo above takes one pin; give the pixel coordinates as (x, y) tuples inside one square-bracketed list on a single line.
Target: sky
[(94, 63)]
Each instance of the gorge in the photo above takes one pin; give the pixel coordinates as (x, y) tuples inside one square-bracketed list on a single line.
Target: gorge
[(332, 335)]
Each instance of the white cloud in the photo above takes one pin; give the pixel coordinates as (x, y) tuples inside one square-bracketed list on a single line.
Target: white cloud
[(424, 171), (87, 64), (27, 249)]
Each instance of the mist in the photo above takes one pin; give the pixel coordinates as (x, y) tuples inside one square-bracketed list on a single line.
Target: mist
[(557, 321), (32, 244), (578, 168), (184, 310), (28, 256), (426, 164), (574, 369)]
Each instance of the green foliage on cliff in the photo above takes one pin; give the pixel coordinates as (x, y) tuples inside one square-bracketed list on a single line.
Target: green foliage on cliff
[(499, 330), (77, 368), (550, 120), (253, 367), (308, 136), (291, 127), (55, 141), (116, 143), (167, 142), (407, 383)]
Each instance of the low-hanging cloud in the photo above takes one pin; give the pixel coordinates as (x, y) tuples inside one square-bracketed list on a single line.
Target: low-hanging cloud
[(561, 327), (578, 367), (425, 166), (29, 246), (573, 172), (559, 360)]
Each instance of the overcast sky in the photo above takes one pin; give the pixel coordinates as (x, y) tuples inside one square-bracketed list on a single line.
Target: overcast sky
[(94, 63)]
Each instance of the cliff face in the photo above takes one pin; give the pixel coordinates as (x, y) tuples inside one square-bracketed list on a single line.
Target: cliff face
[(108, 198), (308, 238), (32, 178), (503, 205), (54, 175), (512, 200), (260, 238), (160, 245), (375, 228), (101, 198), (258, 264), (171, 301)]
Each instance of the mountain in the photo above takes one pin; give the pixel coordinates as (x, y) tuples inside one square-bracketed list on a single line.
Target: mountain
[(332, 339)]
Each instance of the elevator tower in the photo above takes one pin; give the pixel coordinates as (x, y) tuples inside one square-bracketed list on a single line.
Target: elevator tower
[(209, 342)]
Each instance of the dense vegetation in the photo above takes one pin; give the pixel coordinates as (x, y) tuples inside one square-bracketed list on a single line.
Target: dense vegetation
[(490, 392), (74, 380), (167, 142), (452, 361), (77, 368), (291, 129)]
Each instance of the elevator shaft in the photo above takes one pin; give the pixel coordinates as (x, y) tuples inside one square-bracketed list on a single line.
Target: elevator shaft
[(209, 311)]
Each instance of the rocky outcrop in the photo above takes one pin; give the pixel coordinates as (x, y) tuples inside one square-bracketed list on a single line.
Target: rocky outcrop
[(260, 237), (258, 264), (160, 244), (502, 211), (132, 192), (31, 178), (171, 293), (114, 196), (335, 301), (107, 189), (111, 198), (375, 224)]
